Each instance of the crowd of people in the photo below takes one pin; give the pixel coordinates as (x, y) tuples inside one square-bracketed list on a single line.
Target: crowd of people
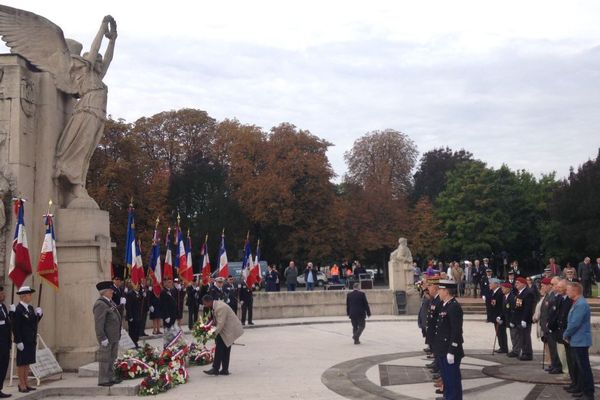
[(556, 307)]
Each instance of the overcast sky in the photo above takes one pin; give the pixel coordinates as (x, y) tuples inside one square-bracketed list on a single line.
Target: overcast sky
[(515, 82)]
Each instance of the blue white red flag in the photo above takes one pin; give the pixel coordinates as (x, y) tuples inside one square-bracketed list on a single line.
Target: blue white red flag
[(206, 268), (247, 260), (223, 264), (48, 262), (254, 274), (168, 267), (155, 269), (20, 263), (132, 254)]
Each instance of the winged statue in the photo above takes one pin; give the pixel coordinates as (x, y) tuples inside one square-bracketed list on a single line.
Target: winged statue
[(43, 44)]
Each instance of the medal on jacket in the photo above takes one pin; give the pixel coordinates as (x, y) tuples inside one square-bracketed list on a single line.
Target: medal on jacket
[(493, 302), (519, 303)]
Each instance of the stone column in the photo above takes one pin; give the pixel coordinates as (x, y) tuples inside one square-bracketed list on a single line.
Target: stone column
[(84, 253)]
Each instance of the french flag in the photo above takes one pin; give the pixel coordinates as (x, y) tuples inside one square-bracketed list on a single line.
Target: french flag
[(168, 268), (223, 267), (20, 263), (206, 268), (154, 271), (48, 262), (247, 261)]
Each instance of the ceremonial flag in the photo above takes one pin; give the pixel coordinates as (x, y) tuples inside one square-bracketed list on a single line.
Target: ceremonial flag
[(223, 267), (254, 275), (168, 267), (48, 262), (247, 260), (189, 253), (132, 256), (185, 270), (154, 270), (20, 263), (205, 262)]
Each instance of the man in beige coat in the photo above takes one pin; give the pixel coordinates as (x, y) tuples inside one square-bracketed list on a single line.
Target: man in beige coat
[(229, 328), (108, 332)]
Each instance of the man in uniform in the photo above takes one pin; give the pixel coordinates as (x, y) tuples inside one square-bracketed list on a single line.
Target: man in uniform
[(547, 314), (133, 307), (5, 341), (231, 293), (559, 326), (107, 320), (434, 309), (179, 294), (216, 290), (485, 283), (247, 301), (119, 293), (505, 318), (522, 317), (357, 309), (448, 339), (193, 302), (168, 307), (494, 309)]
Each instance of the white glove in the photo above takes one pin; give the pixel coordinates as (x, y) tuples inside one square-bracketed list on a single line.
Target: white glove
[(499, 320), (197, 288), (12, 308), (123, 301), (39, 312), (144, 294), (524, 324), (450, 358), (511, 325), (167, 320), (483, 298), (104, 343), (241, 302), (126, 290), (20, 346), (151, 308)]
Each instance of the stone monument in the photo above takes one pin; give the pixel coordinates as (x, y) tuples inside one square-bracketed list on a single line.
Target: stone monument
[(400, 269), (52, 114)]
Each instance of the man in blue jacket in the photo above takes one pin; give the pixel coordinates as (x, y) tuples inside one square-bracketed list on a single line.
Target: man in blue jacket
[(579, 336)]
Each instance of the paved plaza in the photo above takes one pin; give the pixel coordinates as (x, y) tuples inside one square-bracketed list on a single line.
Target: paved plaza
[(315, 358)]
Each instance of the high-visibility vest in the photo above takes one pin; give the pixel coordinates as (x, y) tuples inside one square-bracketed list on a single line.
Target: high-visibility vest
[(335, 270)]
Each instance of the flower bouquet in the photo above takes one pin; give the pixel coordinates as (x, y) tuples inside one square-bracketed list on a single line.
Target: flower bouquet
[(177, 372), (204, 331), (136, 363), (201, 355), (155, 384)]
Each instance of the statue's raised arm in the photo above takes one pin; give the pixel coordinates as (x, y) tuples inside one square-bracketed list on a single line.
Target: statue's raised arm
[(39, 41)]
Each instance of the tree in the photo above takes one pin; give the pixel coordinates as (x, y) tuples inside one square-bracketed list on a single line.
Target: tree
[(382, 158), (431, 177), (425, 233)]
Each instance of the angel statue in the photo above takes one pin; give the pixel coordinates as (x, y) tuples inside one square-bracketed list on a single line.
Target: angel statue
[(42, 43)]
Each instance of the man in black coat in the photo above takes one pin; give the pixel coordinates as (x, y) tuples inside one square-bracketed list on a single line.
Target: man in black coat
[(120, 294), (434, 308), (247, 301), (192, 301), (179, 294), (231, 293), (494, 304), (357, 309), (5, 341), (504, 320), (523, 317), (476, 276), (133, 307), (558, 324), (168, 305), (447, 342), (217, 291)]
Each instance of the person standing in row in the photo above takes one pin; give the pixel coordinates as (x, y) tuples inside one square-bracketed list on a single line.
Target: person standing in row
[(310, 277), (25, 329), (168, 307), (291, 277), (228, 330), (217, 290), (231, 293), (434, 308), (133, 309), (155, 314), (5, 341), (522, 318), (193, 302), (107, 321), (271, 279), (357, 309), (179, 294), (548, 314), (504, 319), (448, 340), (247, 302), (494, 313)]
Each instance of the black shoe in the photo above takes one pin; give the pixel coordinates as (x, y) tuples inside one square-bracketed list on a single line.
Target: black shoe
[(356, 341), (555, 371), (4, 395), (526, 358), (250, 323), (107, 384), (223, 372), (24, 390), (117, 381), (439, 391), (243, 323), (501, 351), (577, 395), (212, 371), (30, 388), (511, 355), (573, 390)]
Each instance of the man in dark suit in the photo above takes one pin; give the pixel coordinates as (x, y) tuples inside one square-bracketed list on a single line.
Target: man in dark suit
[(192, 302), (447, 342), (134, 311), (168, 305), (586, 276), (494, 307), (357, 309), (5, 341), (523, 317), (504, 321), (247, 301)]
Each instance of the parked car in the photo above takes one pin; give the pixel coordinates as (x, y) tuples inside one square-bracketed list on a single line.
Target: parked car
[(321, 279)]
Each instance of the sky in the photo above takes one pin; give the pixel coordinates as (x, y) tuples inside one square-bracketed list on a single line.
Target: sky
[(513, 82)]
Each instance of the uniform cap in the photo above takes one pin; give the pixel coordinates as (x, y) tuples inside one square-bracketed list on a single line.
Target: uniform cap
[(446, 284), (522, 280), (28, 290), (546, 281), (100, 286), (507, 285)]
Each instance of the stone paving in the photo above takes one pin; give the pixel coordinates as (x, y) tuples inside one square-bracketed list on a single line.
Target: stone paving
[(297, 359)]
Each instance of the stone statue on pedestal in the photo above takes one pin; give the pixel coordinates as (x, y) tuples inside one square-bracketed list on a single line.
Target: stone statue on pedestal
[(42, 43), (401, 267)]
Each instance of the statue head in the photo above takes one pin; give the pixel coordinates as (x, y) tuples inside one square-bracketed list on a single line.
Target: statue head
[(402, 242), (74, 47)]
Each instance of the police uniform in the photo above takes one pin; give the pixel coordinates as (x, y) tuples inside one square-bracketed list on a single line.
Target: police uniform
[(447, 344), (25, 327)]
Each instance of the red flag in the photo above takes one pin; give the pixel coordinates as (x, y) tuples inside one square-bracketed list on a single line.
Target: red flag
[(185, 271), (20, 263), (205, 263), (48, 262), (168, 267)]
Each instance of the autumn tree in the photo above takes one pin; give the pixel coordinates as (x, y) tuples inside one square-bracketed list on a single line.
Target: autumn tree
[(425, 232)]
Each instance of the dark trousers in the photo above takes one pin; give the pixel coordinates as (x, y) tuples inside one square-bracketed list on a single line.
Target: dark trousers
[(247, 310), (572, 365), (516, 340), (553, 350), (358, 326), (291, 287), (4, 359), (222, 353), (501, 335), (587, 288), (525, 340), (450, 374), (192, 316), (475, 287), (134, 331), (586, 378)]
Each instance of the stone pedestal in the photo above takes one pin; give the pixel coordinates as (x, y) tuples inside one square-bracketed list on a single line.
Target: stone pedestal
[(400, 270), (84, 253)]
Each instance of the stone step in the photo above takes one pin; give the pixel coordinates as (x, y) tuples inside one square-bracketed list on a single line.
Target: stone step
[(88, 371)]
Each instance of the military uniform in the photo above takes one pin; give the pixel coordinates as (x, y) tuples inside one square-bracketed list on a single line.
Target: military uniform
[(25, 327), (509, 305), (494, 313), (107, 319), (522, 319), (432, 316), (247, 300), (179, 294), (133, 308), (447, 346), (193, 303), (231, 296), (168, 308)]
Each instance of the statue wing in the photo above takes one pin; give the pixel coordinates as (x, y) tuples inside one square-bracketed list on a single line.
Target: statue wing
[(39, 41)]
